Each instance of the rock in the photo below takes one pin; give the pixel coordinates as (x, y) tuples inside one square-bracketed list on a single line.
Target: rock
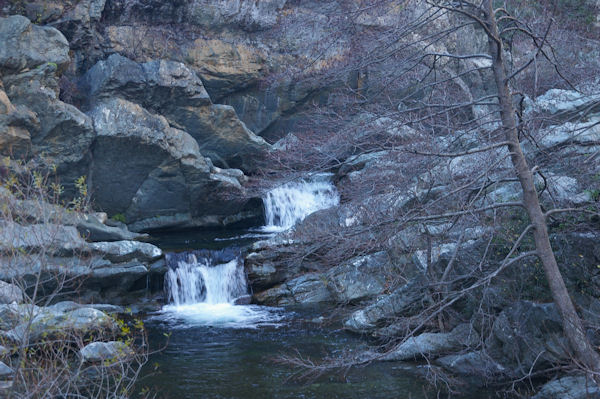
[(66, 306), (124, 251), (225, 67), (248, 15), (78, 23), (570, 387), (155, 175), (526, 337), (92, 229), (564, 103), (50, 238), (4, 350), (571, 138), (155, 85), (25, 45), (404, 300), (64, 134), (105, 351), (308, 288), (49, 323), (243, 300), (431, 345), (5, 371), (176, 92), (14, 127), (10, 293), (476, 364), (359, 278)]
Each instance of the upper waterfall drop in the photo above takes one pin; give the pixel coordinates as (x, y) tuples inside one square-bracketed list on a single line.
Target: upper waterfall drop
[(291, 202)]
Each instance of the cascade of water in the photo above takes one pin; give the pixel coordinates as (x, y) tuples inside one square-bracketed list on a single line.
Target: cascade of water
[(290, 203), (204, 277)]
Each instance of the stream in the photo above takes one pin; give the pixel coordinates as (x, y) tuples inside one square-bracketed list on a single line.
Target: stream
[(221, 347)]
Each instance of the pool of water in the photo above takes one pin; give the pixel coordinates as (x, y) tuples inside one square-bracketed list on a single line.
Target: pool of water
[(234, 357)]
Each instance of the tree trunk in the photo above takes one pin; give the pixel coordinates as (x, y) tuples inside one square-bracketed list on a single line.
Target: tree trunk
[(572, 324)]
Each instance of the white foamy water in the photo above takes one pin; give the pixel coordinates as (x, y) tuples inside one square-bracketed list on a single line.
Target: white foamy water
[(288, 204), (203, 293)]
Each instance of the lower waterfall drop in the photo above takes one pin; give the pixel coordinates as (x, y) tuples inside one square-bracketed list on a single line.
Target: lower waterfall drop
[(202, 287)]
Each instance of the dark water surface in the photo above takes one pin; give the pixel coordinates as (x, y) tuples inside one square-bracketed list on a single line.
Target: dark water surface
[(237, 363)]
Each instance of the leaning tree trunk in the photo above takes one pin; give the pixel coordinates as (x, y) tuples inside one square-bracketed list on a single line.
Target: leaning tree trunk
[(572, 324)]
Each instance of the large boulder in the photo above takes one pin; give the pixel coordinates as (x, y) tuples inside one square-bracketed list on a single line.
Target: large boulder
[(149, 171), (25, 45), (306, 289), (111, 351), (359, 278), (51, 323), (570, 387), (64, 134), (431, 345), (405, 300), (174, 91), (528, 336), (15, 123), (10, 293)]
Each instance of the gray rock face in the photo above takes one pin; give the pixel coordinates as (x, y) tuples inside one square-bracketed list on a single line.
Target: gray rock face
[(564, 103), (15, 123), (403, 301), (432, 345), (308, 288), (10, 293), (359, 278), (48, 323), (124, 251), (52, 238), (5, 371), (174, 91), (103, 351), (476, 363), (25, 45), (527, 336), (63, 133), (146, 170), (571, 387)]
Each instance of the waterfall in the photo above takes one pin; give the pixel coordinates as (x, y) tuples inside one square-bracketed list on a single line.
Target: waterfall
[(210, 277), (203, 287), (291, 202)]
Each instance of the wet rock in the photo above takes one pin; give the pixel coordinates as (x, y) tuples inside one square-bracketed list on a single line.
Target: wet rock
[(570, 387), (25, 45), (10, 293), (105, 351), (431, 345), (402, 301), (243, 300)]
